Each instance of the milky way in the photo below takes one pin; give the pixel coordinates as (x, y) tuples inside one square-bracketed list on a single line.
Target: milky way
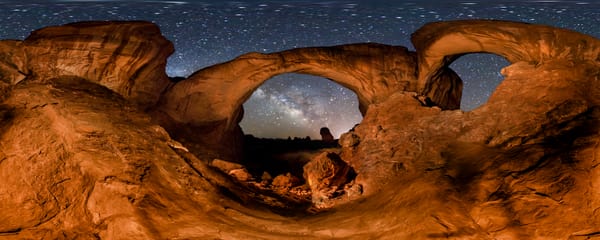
[(210, 32)]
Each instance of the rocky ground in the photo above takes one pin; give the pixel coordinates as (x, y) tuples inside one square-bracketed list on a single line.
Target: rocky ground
[(298, 176)]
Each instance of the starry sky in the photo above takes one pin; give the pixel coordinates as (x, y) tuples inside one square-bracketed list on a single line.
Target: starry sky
[(209, 32)]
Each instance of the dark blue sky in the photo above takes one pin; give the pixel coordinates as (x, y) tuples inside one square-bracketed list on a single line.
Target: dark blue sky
[(210, 32)]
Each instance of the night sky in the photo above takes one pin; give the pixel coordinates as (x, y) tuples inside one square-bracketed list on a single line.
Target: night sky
[(210, 32)]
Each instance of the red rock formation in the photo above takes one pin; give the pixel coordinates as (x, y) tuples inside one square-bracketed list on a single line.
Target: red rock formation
[(325, 174), (520, 167), (79, 159), (438, 44), (127, 57), (373, 71), (326, 135), (13, 62), (210, 100)]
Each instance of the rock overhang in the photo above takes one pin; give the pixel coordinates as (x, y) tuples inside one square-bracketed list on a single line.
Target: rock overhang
[(438, 44)]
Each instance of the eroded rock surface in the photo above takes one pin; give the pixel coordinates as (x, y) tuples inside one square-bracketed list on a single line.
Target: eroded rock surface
[(81, 159), (78, 161), (438, 44), (520, 167), (126, 57), (325, 175), (210, 100)]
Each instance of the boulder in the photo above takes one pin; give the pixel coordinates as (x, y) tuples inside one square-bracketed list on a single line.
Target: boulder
[(285, 181), (325, 174), (349, 139), (266, 177), (225, 166), (241, 174)]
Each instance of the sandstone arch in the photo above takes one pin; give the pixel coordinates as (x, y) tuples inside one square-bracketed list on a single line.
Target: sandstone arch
[(439, 44), (78, 162), (212, 97)]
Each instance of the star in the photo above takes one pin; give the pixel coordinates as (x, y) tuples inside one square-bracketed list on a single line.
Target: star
[(210, 32)]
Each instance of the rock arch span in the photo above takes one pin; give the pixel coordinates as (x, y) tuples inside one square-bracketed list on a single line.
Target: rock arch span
[(438, 44), (103, 169), (213, 97)]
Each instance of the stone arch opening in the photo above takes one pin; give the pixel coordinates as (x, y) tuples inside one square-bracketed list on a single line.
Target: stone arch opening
[(210, 100), (284, 118), (438, 44), (298, 105), (277, 157), (206, 108), (480, 74)]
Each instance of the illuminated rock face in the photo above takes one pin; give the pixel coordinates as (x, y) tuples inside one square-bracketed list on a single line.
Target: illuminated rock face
[(83, 155), (325, 174), (128, 58), (438, 44), (13, 62), (210, 100), (372, 71), (513, 168)]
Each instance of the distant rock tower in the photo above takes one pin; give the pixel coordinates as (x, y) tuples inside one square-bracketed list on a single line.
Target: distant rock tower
[(326, 135)]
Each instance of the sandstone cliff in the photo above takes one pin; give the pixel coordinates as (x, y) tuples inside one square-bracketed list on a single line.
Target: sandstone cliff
[(129, 58), (89, 145)]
